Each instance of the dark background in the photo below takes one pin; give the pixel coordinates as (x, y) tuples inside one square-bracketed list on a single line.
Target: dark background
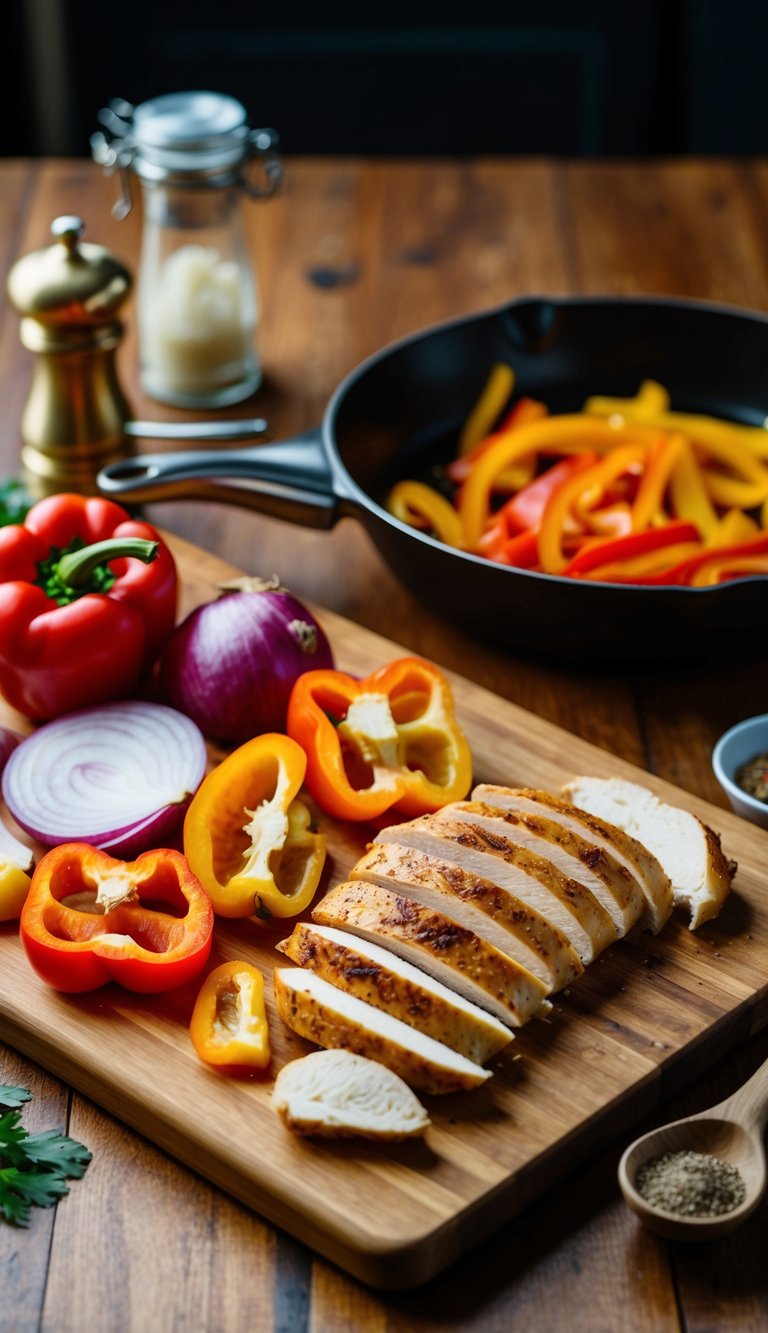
[(605, 77)]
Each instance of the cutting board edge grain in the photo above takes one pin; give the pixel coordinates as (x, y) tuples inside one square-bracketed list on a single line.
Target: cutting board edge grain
[(471, 1190)]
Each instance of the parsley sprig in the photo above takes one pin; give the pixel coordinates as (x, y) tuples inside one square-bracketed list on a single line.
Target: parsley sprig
[(34, 1168)]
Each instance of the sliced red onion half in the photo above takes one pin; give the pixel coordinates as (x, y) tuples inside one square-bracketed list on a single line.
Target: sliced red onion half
[(118, 776)]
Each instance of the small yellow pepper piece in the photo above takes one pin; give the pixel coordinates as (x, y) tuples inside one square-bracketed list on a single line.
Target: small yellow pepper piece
[(732, 528), (488, 408), (689, 496), (229, 1027), (14, 887)]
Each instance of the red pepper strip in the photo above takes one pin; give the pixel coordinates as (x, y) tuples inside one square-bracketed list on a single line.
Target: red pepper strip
[(593, 480), (526, 509), (683, 572), (524, 411), (522, 550), (612, 551), (76, 630), (89, 919)]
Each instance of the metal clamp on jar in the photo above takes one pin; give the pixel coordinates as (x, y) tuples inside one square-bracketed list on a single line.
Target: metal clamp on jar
[(197, 300)]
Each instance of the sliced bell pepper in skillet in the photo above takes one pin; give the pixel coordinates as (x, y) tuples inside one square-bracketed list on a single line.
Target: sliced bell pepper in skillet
[(249, 839), (87, 599), (229, 1021), (89, 919), (388, 742)]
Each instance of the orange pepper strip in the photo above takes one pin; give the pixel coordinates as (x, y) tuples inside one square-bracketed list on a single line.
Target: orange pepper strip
[(421, 506), (567, 434), (488, 408), (689, 496), (597, 478), (649, 500)]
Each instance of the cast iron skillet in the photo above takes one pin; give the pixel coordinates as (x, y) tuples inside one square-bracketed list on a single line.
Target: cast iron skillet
[(399, 412)]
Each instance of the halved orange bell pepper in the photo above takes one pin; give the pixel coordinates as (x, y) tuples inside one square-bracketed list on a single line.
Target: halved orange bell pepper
[(247, 837), (229, 1027), (388, 742), (89, 919)]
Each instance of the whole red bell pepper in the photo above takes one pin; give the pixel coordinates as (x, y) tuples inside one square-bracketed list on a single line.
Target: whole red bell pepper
[(87, 600), (89, 919)]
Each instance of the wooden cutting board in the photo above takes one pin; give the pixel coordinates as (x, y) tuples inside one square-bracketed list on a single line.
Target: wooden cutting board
[(646, 1018)]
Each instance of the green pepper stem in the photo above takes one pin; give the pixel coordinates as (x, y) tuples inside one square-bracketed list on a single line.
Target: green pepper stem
[(74, 570)]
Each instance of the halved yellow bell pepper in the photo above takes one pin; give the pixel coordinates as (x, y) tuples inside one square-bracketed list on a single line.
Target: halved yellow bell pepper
[(246, 836)]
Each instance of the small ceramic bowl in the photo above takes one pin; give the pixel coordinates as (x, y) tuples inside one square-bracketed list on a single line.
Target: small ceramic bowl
[(736, 747)]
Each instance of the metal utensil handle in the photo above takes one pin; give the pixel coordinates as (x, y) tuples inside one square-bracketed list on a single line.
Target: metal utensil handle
[(291, 480), (196, 430)]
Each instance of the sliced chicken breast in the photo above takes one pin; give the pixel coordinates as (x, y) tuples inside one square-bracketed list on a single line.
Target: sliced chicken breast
[(598, 870), (637, 859), (482, 906), (381, 978), (688, 849), (439, 945), (566, 903), (329, 1017), (339, 1095)]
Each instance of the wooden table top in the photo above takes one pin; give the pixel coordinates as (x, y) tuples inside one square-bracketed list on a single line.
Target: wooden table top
[(352, 255)]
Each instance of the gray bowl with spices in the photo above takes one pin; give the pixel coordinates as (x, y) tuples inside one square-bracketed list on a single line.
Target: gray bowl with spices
[(740, 764)]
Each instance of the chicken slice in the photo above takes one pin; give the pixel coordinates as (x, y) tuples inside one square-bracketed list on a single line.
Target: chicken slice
[(564, 902), (339, 1095), (479, 904), (331, 1018), (688, 849), (611, 883), (387, 982), (637, 859), (439, 945)]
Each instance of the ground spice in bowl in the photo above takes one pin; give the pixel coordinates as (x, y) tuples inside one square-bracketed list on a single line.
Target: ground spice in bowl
[(692, 1184), (753, 777)]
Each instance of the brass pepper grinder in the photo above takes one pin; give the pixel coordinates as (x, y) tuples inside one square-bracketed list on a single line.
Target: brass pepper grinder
[(75, 417)]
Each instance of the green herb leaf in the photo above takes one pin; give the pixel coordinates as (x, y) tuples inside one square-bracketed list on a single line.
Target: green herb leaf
[(13, 1097), (34, 1168)]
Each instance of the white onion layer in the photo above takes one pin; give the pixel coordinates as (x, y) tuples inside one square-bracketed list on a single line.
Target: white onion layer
[(112, 776)]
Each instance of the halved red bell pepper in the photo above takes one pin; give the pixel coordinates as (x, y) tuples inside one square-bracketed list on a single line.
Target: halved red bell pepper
[(388, 742), (87, 599), (89, 919), (229, 1021)]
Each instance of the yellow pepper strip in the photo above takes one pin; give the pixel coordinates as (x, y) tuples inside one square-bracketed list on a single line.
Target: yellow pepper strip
[(611, 521), (488, 408), (733, 527), (689, 496), (747, 490), (651, 563), (662, 458), (730, 567), (650, 400), (704, 429), (570, 433), (551, 556), (422, 507)]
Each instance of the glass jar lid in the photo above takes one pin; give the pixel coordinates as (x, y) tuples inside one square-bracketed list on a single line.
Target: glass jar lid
[(192, 138)]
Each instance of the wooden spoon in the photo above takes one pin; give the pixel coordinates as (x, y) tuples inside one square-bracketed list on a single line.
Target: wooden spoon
[(731, 1131)]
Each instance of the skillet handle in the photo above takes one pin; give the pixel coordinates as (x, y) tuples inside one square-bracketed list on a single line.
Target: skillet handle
[(291, 480)]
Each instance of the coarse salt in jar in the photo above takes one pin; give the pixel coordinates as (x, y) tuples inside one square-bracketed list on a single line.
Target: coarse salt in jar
[(197, 301)]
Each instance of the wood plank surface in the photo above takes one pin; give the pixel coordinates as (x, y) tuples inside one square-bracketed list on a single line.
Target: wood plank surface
[(411, 243), (645, 1018)]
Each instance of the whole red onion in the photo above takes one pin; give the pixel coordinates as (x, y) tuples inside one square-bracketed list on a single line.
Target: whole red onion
[(231, 665)]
